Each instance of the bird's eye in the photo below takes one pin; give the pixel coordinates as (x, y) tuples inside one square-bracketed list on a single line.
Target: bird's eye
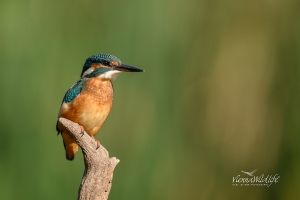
[(106, 63)]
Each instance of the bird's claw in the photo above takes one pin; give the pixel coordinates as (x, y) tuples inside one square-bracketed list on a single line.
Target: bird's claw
[(81, 130), (98, 144)]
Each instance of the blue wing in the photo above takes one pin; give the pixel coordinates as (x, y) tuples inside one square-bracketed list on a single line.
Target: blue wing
[(74, 91)]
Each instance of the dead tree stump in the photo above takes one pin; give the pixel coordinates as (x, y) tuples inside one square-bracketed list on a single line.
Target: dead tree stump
[(97, 177)]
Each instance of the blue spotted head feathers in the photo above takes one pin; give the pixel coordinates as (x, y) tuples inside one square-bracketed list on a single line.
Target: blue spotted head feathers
[(101, 58)]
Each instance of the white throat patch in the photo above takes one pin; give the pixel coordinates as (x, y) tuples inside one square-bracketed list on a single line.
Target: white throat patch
[(113, 74)]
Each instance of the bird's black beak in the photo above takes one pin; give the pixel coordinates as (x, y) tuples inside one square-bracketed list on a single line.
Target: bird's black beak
[(127, 68)]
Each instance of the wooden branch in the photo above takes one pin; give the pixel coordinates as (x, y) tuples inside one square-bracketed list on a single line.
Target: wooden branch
[(97, 177)]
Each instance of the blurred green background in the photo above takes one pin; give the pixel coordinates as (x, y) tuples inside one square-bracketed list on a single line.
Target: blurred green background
[(220, 94)]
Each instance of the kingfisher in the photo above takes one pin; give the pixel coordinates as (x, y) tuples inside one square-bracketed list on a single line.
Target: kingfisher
[(89, 101)]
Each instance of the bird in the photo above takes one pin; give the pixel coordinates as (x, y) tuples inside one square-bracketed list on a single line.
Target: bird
[(250, 173), (89, 101)]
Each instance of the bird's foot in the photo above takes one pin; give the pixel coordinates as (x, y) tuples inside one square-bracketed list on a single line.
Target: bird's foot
[(81, 130), (97, 143)]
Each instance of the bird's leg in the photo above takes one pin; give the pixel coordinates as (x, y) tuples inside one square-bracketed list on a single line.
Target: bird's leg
[(81, 130), (97, 143)]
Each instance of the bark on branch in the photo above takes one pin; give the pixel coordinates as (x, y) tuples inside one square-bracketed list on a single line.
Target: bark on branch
[(97, 177)]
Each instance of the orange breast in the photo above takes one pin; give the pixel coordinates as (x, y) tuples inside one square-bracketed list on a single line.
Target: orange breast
[(91, 107)]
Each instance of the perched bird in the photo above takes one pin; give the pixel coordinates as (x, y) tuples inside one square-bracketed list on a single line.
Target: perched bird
[(89, 101)]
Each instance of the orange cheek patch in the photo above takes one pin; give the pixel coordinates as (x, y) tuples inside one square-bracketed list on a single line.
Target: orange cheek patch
[(114, 63), (95, 66)]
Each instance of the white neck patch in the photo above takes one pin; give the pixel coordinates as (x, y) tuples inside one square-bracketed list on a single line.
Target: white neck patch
[(87, 72), (113, 74)]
